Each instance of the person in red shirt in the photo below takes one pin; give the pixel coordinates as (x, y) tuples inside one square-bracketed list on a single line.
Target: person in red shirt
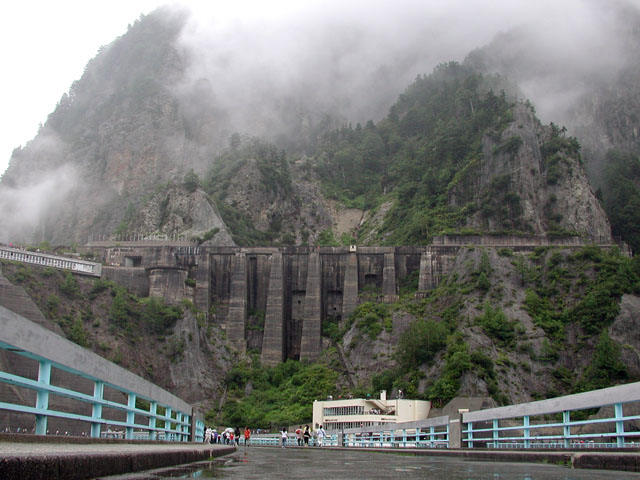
[(247, 436)]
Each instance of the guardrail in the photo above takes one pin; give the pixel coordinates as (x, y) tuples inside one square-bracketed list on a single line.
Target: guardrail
[(429, 433), (548, 424), (275, 440), (83, 267), (165, 416)]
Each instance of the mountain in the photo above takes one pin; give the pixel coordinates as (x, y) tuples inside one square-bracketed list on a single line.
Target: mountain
[(149, 141), (593, 90), (138, 131)]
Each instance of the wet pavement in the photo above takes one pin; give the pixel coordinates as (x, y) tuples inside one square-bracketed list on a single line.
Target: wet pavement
[(306, 463)]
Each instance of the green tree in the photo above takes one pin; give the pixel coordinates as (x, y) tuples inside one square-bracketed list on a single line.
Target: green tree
[(120, 312), (420, 342), (70, 286), (458, 361), (496, 324), (191, 181), (606, 367)]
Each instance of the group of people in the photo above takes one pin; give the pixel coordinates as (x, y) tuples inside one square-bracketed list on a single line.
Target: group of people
[(228, 436), (303, 436), (232, 436)]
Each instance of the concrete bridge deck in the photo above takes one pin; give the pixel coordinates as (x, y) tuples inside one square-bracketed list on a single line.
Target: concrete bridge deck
[(32, 457)]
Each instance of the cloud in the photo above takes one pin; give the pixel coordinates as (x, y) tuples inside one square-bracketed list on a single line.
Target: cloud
[(33, 194), (356, 57)]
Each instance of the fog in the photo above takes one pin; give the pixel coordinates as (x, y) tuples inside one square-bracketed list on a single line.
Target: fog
[(354, 58), (26, 207), (275, 68)]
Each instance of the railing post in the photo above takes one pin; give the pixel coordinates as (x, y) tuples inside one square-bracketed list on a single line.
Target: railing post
[(470, 435), (131, 416), (167, 424), (179, 426), (186, 428), (153, 411), (96, 410), (619, 425), (566, 428), (448, 435), (417, 437), (42, 398), (432, 437), (404, 438), (393, 438), (496, 433), (183, 428), (527, 432)]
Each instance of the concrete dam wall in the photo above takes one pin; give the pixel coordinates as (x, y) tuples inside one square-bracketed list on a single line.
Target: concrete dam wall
[(276, 300)]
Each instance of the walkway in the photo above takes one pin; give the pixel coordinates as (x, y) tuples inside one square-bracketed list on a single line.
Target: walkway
[(337, 464), (38, 460)]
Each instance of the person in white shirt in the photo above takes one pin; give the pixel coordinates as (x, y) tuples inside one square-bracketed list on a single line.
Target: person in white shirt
[(321, 436)]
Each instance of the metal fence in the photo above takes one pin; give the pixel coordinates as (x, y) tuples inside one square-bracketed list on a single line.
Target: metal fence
[(429, 433), (149, 410), (549, 424)]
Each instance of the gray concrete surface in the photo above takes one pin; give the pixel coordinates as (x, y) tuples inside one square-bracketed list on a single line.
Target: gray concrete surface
[(53, 461), (312, 463)]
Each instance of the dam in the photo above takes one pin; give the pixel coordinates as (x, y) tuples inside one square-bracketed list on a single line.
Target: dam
[(276, 300)]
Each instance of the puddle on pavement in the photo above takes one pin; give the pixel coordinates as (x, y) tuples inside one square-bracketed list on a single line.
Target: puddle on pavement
[(207, 469)]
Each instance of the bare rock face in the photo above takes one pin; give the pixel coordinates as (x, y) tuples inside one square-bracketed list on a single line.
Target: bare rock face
[(177, 211), (370, 356), (199, 370), (297, 215), (530, 179)]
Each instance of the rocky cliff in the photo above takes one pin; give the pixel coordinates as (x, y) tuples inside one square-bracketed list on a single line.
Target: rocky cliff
[(530, 178)]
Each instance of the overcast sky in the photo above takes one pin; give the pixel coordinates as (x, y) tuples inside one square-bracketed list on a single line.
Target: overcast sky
[(45, 46)]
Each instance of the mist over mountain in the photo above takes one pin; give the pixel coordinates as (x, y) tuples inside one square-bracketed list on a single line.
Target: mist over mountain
[(167, 98)]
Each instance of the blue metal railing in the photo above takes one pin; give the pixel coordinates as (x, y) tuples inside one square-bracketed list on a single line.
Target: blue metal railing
[(405, 438), (428, 433), (535, 424), (148, 412), (275, 440), (176, 425)]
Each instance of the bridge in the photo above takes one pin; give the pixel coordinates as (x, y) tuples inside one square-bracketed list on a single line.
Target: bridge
[(74, 265), (79, 410)]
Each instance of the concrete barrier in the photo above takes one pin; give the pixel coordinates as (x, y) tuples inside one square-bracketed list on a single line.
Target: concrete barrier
[(79, 459)]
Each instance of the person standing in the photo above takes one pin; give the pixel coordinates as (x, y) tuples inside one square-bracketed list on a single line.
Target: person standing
[(299, 435), (283, 436), (236, 435), (247, 436), (306, 435), (321, 436)]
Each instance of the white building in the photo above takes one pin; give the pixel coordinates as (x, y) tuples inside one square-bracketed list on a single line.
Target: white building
[(364, 412)]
